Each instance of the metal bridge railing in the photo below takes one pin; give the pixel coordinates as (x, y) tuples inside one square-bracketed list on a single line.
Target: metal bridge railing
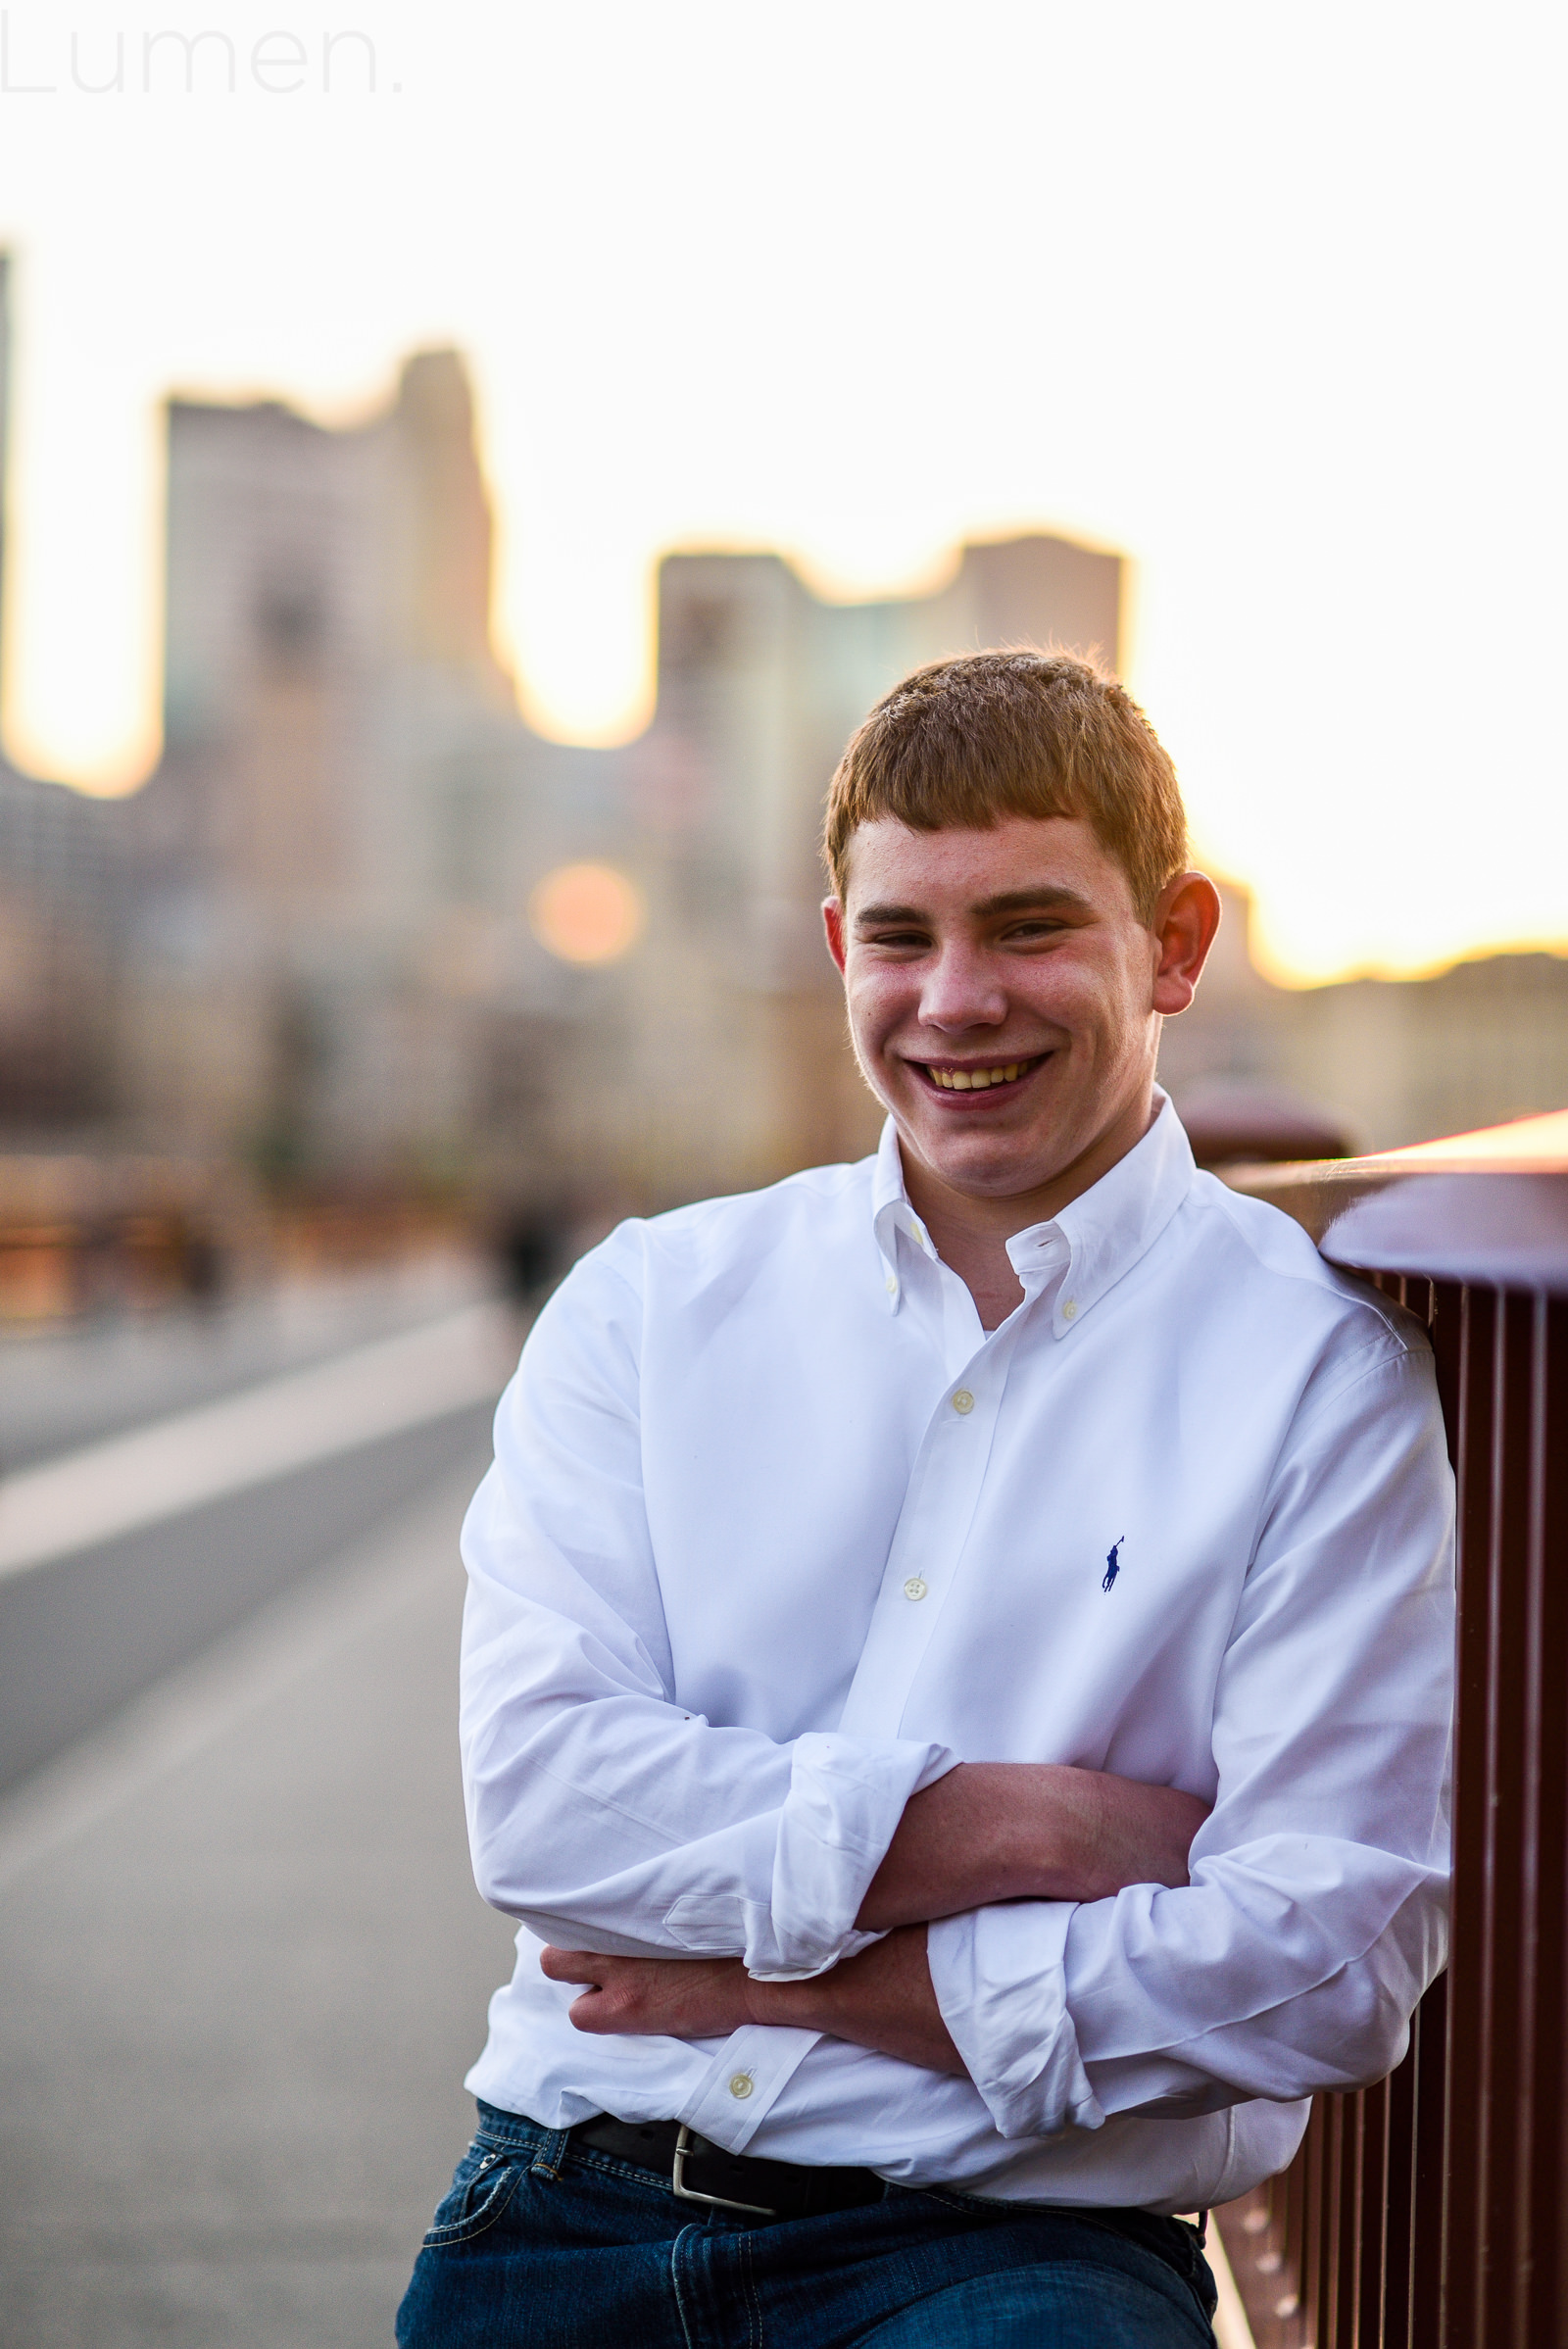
[(1431, 2211)]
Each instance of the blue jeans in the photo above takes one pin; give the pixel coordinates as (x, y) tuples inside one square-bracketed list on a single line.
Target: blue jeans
[(545, 2245)]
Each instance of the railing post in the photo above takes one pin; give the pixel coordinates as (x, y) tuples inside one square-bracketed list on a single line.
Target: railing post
[(1429, 2059), (1541, 2207)]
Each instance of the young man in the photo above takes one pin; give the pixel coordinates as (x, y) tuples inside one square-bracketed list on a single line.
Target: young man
[(956, 1669)]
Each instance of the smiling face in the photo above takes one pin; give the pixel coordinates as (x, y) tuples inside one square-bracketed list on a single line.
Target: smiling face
[(1005, 998)]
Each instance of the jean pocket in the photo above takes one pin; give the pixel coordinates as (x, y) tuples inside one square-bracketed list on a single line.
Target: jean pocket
[(482, 2185)]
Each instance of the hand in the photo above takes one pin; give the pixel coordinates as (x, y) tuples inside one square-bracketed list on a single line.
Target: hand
[(1031, 1831), (679, 1998), (882, 1999)]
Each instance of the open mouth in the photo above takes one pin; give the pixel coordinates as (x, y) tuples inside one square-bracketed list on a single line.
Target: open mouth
[(995, 1074)]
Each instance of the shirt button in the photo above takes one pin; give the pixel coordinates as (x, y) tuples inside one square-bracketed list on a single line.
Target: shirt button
[(892, 1286), (963, 1403), (916, 1587), (1070, 1310), (742, 2085)]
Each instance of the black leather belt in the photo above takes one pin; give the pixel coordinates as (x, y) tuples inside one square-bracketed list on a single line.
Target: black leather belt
[(688, 2166), (694, 2171)]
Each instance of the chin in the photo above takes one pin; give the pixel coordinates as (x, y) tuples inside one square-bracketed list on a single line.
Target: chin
[(994, 1164), (1013, 1180)]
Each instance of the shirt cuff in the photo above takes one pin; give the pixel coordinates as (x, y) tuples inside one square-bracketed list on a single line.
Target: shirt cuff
[(999, 1979), (846, 1799)]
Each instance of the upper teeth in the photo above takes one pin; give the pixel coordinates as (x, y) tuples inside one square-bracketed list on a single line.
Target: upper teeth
[(975, 1080)]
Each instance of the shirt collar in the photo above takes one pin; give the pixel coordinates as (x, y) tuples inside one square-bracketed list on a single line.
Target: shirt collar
[(891, 1211), (1106, 1229)]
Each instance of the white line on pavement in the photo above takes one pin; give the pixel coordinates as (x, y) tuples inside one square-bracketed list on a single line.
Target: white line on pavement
[(114, 1487)]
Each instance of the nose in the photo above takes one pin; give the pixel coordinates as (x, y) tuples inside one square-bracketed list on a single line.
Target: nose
[(963, 990)]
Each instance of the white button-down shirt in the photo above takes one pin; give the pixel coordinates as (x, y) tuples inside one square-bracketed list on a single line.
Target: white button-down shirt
[(776, 1533)]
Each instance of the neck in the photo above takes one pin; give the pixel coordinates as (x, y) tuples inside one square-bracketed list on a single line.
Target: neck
[(971, 1229)]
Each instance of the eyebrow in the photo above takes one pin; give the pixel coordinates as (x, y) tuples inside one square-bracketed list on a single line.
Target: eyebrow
[(1012, 901)]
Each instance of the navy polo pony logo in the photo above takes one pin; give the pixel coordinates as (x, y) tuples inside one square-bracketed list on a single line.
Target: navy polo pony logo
[(1112, 1562)]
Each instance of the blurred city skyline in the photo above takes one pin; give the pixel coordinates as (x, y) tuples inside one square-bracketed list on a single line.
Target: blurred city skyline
[(366, 929), (1252, 300)]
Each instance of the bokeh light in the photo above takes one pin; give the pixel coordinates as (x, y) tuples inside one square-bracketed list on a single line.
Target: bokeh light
[(587, 913)]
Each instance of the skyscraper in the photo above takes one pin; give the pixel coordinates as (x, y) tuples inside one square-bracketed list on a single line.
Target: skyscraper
[(61, 907)]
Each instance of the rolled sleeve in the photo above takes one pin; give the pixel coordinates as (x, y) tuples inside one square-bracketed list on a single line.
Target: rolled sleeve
[(827, 1840), (1000, 1978), (846, 1798)]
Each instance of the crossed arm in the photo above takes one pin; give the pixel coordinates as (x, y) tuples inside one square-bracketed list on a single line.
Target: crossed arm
[(987, 1832)]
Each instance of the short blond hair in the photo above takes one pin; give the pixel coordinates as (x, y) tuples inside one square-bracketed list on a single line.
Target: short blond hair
[(964, 741)]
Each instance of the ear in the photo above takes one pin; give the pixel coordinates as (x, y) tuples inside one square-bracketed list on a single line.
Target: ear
[(1185, 922), (833, 924)]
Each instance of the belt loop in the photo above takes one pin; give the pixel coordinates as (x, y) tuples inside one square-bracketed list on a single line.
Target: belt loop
[(549, 2153)]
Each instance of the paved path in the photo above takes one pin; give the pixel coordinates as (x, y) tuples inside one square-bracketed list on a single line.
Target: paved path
[(244, 1970)]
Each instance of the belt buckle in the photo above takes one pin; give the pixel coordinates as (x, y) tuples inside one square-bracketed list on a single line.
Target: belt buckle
[(686, 2193)]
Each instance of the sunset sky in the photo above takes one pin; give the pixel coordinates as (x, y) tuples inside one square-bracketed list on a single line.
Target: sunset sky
[(1270, 298)]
